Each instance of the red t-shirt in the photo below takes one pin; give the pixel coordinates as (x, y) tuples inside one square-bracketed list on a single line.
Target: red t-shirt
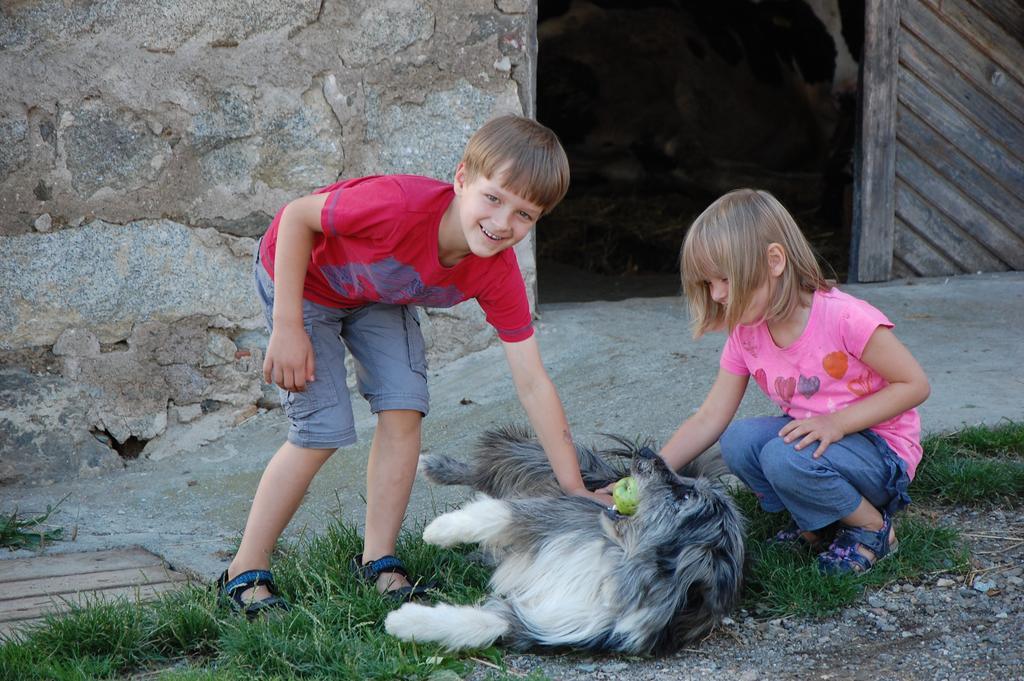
[(379, 245)]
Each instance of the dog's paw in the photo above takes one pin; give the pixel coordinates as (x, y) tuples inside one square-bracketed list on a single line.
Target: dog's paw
[(478, 521), (447, 530), (409, 622), (455, 627)]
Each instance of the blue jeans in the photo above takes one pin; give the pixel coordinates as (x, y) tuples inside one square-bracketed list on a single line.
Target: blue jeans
[(816, 492)]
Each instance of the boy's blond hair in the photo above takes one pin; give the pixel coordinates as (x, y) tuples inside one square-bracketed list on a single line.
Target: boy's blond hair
[(523, 155), (730, 240)]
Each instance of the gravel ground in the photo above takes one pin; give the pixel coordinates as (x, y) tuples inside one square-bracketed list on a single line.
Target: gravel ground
[(943, 626)]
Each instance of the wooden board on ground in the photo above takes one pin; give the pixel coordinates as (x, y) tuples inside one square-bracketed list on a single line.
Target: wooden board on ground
[(32, 587)]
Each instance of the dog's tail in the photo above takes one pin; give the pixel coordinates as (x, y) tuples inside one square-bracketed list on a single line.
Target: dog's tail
[(453, 626), (444, 470)]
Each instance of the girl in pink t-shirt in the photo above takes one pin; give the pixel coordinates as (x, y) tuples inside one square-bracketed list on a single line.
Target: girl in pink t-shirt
[(842, 455)]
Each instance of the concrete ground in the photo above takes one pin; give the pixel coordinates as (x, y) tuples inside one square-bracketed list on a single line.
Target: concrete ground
[(626, 367)]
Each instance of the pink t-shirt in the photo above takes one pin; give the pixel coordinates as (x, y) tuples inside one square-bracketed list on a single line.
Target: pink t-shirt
[(821, 372)]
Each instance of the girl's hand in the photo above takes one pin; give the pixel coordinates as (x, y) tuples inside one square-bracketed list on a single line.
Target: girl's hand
[(822, 429), (607, 489)]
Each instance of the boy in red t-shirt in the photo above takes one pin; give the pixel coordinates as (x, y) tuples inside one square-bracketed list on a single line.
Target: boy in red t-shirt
[(351, 260)]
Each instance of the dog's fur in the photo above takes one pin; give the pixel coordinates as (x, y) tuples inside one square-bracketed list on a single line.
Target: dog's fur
[(570, 573)]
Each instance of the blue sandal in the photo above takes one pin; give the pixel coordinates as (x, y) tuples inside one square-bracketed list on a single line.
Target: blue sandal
[(230, 592), (369, 572), (843, 557), (793, 536)]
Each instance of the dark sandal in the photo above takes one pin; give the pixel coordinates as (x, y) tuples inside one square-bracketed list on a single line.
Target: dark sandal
[(794, 537), (230, 591), (369, 572), (843, 557)]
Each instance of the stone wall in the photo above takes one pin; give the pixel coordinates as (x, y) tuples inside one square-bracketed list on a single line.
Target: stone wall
[(143, 147)]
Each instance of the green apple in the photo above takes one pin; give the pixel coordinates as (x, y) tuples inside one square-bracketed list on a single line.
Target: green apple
[(626, 496)]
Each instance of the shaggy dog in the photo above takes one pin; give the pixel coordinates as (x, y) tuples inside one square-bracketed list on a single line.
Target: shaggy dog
[(571, 573)]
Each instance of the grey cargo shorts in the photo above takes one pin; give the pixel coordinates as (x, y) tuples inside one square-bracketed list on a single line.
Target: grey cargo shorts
[(390, 358)]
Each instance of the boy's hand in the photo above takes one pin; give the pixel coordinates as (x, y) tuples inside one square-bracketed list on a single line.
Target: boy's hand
[(822, 429), (289, 362), (600, 496)]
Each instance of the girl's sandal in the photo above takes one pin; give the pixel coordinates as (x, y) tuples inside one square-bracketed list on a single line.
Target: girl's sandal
[(369, 572), (844, 556), (230, 592), (793, 536)]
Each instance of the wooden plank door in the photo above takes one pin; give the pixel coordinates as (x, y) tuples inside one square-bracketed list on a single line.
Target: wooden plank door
[(940, 180)]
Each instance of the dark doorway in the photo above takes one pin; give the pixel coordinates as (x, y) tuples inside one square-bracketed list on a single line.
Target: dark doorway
[(665, 105)]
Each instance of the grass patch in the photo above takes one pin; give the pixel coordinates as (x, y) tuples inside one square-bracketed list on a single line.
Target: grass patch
[(976, 465), (29, 533), (335, 629), (784, 580)]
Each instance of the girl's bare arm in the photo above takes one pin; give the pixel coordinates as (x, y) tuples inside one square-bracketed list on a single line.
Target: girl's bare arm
[(703, 429)]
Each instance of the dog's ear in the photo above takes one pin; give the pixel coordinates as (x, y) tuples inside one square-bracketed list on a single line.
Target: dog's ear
[(611, 529)]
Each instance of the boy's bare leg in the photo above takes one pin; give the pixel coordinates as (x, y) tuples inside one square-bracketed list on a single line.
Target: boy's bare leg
[(278, 496), (389, 477)]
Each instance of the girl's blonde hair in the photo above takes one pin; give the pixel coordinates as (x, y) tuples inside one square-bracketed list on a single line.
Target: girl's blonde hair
[(730, 240), (523, 155)]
